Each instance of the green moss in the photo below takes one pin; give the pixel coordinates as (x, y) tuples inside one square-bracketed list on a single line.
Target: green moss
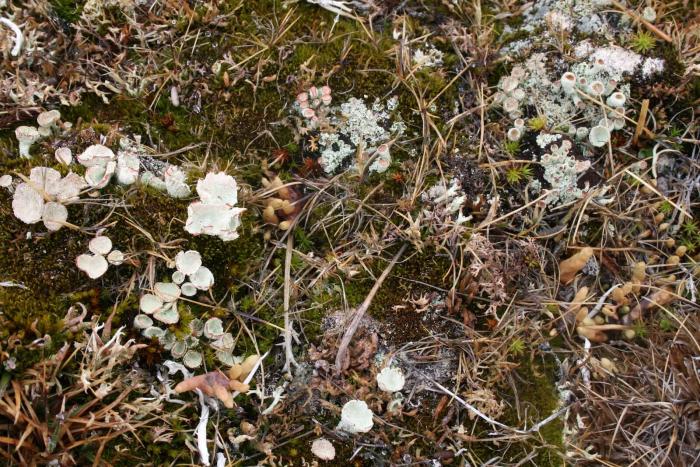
[(126, 309), (538, 397), (40, 264), (234, 261), (643, 42), (321, 302), (169, 126), (537, 123), (68, 10), (44, 263), (26, 318), (403, 283), (674, 66)]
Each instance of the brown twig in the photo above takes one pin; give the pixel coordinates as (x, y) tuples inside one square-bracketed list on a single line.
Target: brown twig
[(662, 35), (640, 122)]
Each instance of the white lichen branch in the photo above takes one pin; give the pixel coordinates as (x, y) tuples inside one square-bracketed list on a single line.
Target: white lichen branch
[(601, 301), (19, 38), (335, 6), (201, 430)]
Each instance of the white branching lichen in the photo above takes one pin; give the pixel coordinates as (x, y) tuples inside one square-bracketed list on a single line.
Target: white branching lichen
[(19, 38), (428, 57), (339, 7), (446, 202)]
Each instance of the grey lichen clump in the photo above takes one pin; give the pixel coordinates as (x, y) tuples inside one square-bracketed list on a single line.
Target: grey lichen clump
[(444, 203), (584, 16), (579, 101), (561, 171), (427, 57), (581, 94), (351, 129), (591, 93)]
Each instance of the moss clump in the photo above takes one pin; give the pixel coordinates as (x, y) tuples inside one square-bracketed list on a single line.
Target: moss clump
[(44, 265), (233, 262), (537, 393), (172, 127), (403, 283), (26, 317), (67, 10)]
